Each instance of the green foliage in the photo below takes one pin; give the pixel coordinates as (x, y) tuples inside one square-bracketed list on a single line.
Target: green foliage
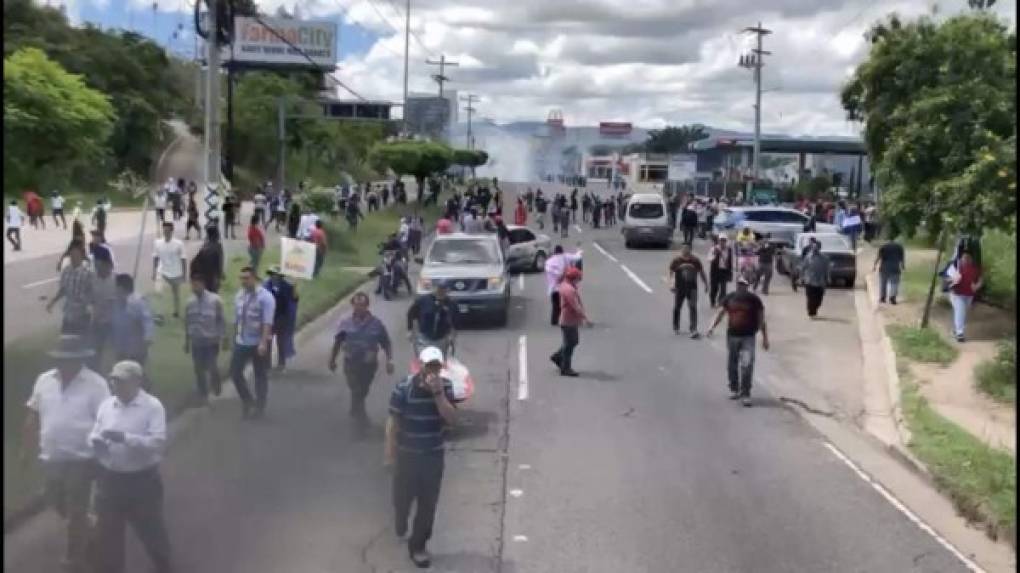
[(980, 480), (319, 201), (421, 159), (673, 139), (470, 157), (998, 254), (813, 188), (53, 122), (921, 344), (939, 108), (997, 377)]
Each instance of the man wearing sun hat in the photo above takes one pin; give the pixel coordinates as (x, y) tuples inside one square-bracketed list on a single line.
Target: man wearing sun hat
[(420, 406), (129, 437), (61, 412)]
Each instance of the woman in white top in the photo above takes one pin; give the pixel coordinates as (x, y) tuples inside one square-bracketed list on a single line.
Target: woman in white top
[(15, 220)]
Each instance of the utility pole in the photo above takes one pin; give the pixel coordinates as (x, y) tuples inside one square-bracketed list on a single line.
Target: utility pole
[(441, 77), (470, 99), (407, 46), (211, 139), (754, 62)]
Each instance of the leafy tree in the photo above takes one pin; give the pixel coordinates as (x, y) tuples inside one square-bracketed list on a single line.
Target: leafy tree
[(939, 112), (422, 159), (674, 139), (52, 120)]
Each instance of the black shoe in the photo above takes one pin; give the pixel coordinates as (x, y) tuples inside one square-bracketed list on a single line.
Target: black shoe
[(556, 360), (571, 373), (892, 300), (882, 301), (420, 558), (695, 335), (746, 401)]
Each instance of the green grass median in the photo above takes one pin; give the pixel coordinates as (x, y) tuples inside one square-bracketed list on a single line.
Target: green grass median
[(169, 367), (921, 344), (979, 479)]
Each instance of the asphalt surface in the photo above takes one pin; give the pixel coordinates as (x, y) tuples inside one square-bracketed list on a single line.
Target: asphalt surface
[(641, 464)]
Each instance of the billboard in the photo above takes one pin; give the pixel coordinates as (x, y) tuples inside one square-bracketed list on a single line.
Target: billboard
[(614, 128), (255, 45), (682, 167), (428, 116)]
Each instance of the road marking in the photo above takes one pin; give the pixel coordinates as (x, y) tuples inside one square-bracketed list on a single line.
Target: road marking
[(516, 492), (523, 467), (520, 281), (520, 538), (636, 279), (40, 283), (605, 252), (970, 565), (579, 229), (522, 367)]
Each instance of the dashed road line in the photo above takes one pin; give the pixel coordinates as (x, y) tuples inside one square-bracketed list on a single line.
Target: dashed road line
[(522, 367), (636, 279), (579, 229), (970, 565), (520, 282), (40, 283), (605, 252)]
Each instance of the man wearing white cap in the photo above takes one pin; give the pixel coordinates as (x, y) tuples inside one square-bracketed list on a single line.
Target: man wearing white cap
[(61, 412), (129, 438), (420, 406), (746, 317)]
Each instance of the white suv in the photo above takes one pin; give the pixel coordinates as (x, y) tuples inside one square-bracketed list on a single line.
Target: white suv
[(781, 222)]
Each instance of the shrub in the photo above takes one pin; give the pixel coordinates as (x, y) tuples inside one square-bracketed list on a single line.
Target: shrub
[(317, 201), (997, 377)]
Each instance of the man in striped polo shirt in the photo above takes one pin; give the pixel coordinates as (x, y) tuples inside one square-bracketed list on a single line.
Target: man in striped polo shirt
[(420, 406)]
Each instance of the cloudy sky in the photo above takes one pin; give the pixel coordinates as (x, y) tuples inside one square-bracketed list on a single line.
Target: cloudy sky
[(650, 62)]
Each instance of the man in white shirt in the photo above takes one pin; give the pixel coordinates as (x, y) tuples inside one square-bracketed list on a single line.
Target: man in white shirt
[(259, 208), (61, 412), (306, 225), (57, 206), (15, 220), (159, 203), (169, 261), (555, 267), (129, 438)]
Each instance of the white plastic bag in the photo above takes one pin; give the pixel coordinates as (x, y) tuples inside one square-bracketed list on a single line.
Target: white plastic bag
[(457, 373)]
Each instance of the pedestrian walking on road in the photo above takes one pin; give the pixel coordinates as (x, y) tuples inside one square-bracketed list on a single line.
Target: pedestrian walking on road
[(294, 220), (555, 266), (284, 315), (259, 202), (890, 264), (572, 316), (964, 283), (76, 284), (421, 407), (256, 243), (684, 271), (61, 412), (815, 277), (318, 238), (159, 202), (745, 318), (766, 264), (434, 315), (688, 222), (169, 262), (99, 217), (230, 210), (57, 208), (208, 261), (205, 330), (254, 311), (133, 326), (104, 299), (360, 336), (15, 221), (129, 438), (720, 270), (192, 220), (176, 193), (99, 248)]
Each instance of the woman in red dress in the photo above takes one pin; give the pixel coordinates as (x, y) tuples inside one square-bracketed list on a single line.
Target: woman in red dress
[(521, 213)]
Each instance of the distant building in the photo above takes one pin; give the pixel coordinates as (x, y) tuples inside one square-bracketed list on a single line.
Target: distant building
[(429, 115)]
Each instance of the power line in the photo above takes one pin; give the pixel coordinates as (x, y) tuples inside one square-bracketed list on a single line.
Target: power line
[(413, 33), (346, 14)]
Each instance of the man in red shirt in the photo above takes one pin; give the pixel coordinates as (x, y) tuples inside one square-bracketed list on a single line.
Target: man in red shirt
[(256, 243), (318, 236), (965, 281), (572, 316), (444, 226)]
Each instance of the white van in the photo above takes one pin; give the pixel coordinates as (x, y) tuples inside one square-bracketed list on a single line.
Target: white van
[(647, 220)]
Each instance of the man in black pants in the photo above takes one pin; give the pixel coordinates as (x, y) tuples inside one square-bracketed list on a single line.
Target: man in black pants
[(688, 222), (684, 271), (420, 407), (720, 270)]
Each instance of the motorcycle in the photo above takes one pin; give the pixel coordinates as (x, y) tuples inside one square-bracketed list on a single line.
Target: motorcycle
[(392, 273)]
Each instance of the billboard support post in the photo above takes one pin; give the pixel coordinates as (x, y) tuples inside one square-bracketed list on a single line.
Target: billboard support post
[(211, 137)]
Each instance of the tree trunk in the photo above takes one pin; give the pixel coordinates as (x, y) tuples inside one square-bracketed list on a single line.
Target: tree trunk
[(934, 280)]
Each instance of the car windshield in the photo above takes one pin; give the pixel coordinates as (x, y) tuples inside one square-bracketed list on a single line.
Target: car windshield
[(830, 242), (464, 252), (646, 210)]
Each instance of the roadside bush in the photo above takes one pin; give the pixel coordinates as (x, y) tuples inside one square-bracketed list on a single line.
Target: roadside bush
[(921, 344), (998, 251), (997, 377), (318, 201)]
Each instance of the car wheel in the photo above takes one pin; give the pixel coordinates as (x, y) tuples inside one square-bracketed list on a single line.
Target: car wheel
[(539, 262), (628, 243), (851, 280), (503, 316)]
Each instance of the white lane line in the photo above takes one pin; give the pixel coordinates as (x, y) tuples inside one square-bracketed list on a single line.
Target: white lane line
[(40, 283), (970, 565), (524, 467), (605, 252), (522, 367), (520, 538), (636, 279), (516, 492), (520, 281), (579, 229)]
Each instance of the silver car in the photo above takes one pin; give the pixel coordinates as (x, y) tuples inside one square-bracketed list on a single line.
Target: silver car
[(528, 250), (784, 224), (836, 247), (473, 269)]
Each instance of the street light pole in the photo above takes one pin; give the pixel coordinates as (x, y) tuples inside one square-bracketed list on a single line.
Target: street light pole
[(755, 62), (407, 46), (470, 99), (211, 139)]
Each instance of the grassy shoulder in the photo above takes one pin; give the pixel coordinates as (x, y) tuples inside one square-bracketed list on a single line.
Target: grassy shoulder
[(921, 344), (997, 377), (170, 368), (979, 479)]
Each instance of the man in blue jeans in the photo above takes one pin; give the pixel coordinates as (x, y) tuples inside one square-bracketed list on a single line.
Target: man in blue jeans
[(254, 309), (890, 263), (746, 317)]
